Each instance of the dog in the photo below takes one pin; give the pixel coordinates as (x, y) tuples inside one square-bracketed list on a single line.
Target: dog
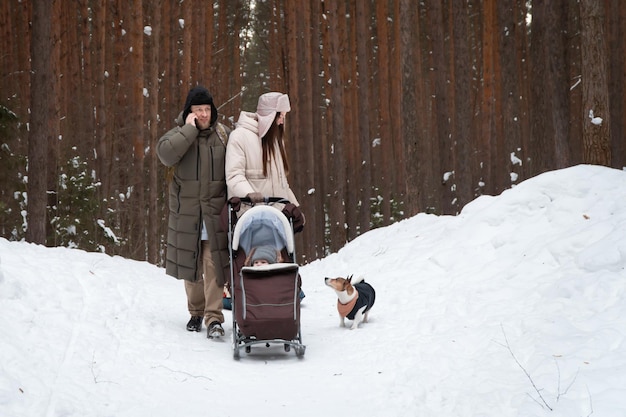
[(355, 298)]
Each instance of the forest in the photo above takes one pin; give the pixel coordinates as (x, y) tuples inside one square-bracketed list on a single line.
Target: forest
[(399, 107)]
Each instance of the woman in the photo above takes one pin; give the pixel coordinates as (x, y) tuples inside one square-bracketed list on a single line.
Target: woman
[(256, 162)]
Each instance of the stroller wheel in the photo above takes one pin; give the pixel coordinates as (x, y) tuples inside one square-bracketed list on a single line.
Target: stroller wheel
[(300, 351), (287, 347), (247, 349)]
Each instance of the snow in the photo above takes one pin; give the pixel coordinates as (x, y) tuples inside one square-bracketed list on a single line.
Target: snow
[(515, 160), (595, 120), (515, 307)]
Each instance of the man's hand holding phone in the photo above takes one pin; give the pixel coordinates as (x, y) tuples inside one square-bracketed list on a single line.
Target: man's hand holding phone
[(191, 119)]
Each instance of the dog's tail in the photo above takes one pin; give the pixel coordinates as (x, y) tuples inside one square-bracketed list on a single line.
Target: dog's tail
[(358, 279)]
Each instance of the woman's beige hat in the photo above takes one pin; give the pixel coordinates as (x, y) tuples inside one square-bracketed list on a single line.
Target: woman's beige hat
[(269, 104)]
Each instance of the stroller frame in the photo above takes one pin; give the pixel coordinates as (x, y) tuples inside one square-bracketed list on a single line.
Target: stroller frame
[(237, 270)]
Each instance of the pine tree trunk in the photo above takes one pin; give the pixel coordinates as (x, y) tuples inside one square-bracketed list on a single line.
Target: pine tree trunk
[(42, 113), (154, 215), (596, 133), (137, 128), (458, 176), (409, 46), (363, 51), (385, 174)]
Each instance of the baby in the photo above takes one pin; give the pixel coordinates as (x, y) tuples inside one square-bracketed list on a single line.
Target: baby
[(262, 255)]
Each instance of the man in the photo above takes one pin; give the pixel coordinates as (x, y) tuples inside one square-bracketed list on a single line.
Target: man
[(196, 246)]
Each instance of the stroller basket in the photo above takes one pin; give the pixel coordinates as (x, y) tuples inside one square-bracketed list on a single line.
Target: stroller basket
[(268, 298)]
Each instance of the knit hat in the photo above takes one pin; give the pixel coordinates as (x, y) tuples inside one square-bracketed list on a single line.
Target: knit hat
[(269, 104), (267, 253), (196, 96)]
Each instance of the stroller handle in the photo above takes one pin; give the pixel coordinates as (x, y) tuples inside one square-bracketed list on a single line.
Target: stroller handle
[(266, 200)]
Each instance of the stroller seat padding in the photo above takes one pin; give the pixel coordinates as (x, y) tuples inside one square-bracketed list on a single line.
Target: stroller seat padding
[(277, 267)]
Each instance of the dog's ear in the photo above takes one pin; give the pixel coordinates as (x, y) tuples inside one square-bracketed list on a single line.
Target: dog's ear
[(349, 278)]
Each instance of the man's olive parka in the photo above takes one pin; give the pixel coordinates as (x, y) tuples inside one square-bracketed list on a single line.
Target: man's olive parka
[(197, 193)]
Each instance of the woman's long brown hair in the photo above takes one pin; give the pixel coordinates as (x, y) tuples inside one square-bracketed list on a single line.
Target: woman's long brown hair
[(268, 142)]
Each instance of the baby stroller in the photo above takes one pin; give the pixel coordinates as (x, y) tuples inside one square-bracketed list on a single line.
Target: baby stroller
[(265, 299)]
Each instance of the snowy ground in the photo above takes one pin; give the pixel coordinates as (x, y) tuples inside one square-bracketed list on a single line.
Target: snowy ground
[(516, 307)]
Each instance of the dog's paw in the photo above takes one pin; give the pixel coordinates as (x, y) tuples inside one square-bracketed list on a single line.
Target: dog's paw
[(355, 324)]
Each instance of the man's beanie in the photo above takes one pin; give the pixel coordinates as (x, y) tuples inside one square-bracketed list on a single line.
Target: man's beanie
[(197, 96), (267, 253)]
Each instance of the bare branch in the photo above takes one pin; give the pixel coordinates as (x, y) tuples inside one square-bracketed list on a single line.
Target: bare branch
[(571, 383), (93, 373), (182, 372), (523, 369), (558, 382), (233, 97), (590, 403)]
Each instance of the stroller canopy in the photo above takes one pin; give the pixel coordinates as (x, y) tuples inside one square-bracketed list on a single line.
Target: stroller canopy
[(263, 225)]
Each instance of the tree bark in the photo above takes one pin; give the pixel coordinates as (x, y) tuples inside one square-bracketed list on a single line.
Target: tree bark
[(337, 206), (410, 53), (154, 215), (385, 173), (459, 175), (549, 101), (363, 51), (616, 47), (350, 122), (596, 133), (317, 131), (441, 136), (135, 114), (41, 122)]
